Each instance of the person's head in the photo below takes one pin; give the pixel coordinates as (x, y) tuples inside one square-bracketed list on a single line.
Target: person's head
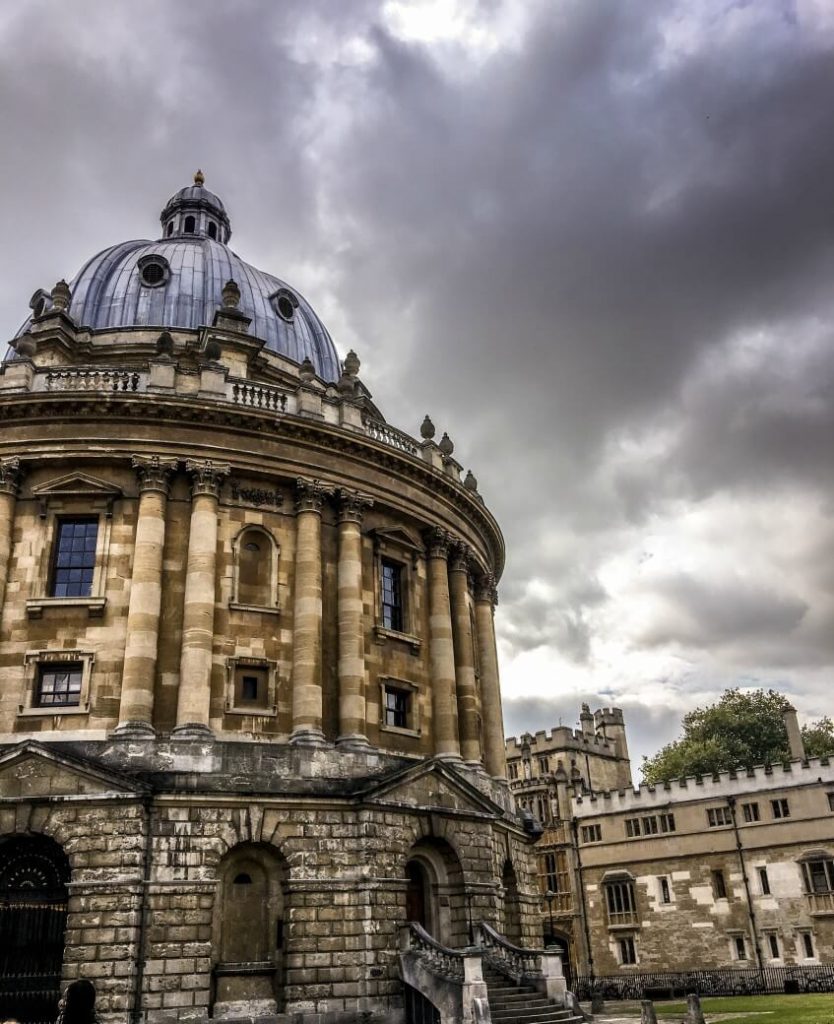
[(79, 1002)]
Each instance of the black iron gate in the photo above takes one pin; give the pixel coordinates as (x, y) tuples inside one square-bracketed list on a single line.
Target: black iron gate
[(33, 914), (418, 1010)]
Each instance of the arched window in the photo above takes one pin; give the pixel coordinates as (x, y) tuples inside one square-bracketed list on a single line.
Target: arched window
[(212, 229), (188, 227), (255, 565), (170, 230)]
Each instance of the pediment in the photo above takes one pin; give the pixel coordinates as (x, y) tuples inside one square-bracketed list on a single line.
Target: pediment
[(76, 485), (433, 785), (34, 770), (396, 537)]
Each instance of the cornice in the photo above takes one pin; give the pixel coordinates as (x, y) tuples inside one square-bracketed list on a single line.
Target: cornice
[(68, 406)]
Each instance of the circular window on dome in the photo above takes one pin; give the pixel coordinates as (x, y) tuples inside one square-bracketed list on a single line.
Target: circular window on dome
[(284, 303), (153, 271)]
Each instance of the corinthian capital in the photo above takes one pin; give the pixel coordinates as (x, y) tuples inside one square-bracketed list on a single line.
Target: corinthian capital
[(461, 556), (153, 472), (438, 542), (310, 495), (10, 476), (206, 476), (485, 589), (352, 505)]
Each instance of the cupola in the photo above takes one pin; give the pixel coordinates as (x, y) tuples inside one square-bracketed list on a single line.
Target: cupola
[(195, 212)]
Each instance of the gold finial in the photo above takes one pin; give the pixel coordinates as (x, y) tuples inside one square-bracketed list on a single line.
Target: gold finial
[(199, 177)]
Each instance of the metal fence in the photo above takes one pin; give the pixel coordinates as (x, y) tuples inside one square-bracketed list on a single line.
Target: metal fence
[(730, 982)]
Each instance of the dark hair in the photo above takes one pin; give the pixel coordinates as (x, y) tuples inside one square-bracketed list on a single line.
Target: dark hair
[(79, 1003)]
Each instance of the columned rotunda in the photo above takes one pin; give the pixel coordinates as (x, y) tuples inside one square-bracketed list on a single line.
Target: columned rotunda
[(250, 716)]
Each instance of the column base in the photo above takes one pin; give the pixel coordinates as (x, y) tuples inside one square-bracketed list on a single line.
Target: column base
[(306, 736), (475, 766), (354, 741), (192, 731), (450, 758), (133, 731)]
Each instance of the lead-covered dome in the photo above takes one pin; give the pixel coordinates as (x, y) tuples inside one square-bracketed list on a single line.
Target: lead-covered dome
[(176, 282)]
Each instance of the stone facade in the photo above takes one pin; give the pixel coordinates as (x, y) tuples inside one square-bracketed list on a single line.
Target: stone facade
[(726, 872), (250, 714)]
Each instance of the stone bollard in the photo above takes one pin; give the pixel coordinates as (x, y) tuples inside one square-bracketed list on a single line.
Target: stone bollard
[(694, 1013), (647, 1014)]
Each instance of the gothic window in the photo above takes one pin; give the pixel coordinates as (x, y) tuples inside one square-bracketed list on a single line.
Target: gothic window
[(772, 945), (739, 946), (74, 557), (665, 890), (627, 950), (556, 879), (764, 881)]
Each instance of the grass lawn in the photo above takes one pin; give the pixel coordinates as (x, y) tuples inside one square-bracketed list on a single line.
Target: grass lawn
[(803, 1009)]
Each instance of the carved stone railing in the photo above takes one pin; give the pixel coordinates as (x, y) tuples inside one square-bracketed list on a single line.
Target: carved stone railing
[(532, 966), (258, 396), (389, 435), (93, 378), (451, 980)]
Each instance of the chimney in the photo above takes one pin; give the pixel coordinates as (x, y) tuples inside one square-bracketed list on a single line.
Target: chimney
[(795, 743)]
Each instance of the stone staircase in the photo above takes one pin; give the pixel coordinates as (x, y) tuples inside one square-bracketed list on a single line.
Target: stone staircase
[(521, 1004)]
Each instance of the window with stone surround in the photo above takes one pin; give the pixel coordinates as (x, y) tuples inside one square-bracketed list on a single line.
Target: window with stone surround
[(719, 884), (805, 948), (831, 801), (395, 561), (665, 889), (750, 812), (718, 816), (772, 945), (627, 950), (780, 808), (74, 557), (620, 901), (512, 769), (738, 945), (56, 682), (591, 833), (400, 706), (251, 687), (764, 881)]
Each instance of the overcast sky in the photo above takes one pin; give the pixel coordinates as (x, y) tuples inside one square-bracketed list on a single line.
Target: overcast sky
[(594, 240)]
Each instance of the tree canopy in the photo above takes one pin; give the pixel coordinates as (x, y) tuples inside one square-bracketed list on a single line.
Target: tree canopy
[(738, 731)]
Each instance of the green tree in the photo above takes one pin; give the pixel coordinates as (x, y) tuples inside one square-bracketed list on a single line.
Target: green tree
[(739, 731)]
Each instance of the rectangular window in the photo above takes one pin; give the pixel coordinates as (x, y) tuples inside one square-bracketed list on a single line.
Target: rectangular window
[(740, 947), (751, 812), (74, 558), (667, 822), (619, 899), (831, 801), (717, 816), (772, 940), (542, 809), (591, 833), (806, 945), (59, 685), (251, 687), (632, 827), (628, 952), (556, 879), (719, 886), (780, 808), (544, 765), (665, 891), (764, 882), (392, 595), (650, 826), (397, 707), (512, 769)]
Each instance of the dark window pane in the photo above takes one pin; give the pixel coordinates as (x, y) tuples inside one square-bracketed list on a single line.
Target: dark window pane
[(392, 604), (75, 558), (59, 684)]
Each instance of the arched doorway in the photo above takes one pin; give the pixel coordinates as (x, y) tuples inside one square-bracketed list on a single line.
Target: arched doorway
[(512, 904), (435, 896), (248, 932), (34, 873)]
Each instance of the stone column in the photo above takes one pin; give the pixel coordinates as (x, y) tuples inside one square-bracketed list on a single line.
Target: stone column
[(10, 477), (351, 625), (467, 695), (495, 756), (198, 608), (139, 673), (306, 623), (441, 650)]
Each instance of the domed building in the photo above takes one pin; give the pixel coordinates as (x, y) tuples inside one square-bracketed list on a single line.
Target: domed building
[(250, 717)]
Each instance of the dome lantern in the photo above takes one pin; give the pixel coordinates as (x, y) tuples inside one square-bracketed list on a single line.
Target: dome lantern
[(194, 211)]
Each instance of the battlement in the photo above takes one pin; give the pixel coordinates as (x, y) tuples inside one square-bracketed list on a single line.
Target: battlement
[(722, 785), (557, 739)]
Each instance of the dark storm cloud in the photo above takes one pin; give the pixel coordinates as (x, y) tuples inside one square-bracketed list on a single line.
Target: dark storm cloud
[(598, 248)]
